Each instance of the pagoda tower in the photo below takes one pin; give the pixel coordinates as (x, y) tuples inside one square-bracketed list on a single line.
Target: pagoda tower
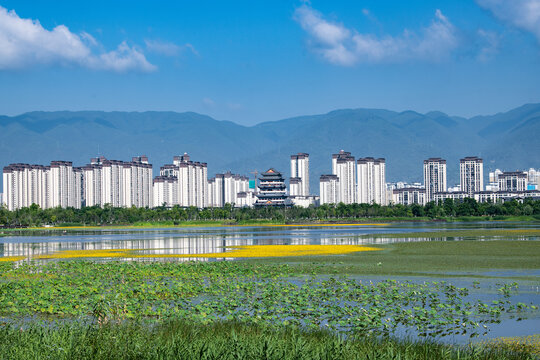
[(272, 189)]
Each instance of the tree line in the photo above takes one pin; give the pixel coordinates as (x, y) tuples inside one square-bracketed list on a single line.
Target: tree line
[(108, 215)]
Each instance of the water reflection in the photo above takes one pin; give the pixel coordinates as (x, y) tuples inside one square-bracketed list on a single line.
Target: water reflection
[(208, 240)]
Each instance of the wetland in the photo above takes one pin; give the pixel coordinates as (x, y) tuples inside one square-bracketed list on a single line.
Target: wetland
[(446, 285)]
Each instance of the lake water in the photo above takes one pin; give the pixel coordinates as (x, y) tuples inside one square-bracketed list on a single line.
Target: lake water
[(216, 239)]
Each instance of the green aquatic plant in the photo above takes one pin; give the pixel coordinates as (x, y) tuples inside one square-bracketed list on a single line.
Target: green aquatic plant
[(278, 295)]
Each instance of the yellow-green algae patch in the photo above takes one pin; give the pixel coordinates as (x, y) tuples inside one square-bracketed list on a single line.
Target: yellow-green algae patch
[(248, 251), (11, 258), (258, 251)]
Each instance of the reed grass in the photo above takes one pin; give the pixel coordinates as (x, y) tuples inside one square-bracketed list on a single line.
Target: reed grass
[(175, 339)]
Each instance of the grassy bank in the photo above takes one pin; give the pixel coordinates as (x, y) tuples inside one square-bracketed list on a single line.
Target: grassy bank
[(429, 258), (180, 340), (266, 222)]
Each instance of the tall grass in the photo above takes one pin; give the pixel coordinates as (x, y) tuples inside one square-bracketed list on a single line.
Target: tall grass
[(180, 340)]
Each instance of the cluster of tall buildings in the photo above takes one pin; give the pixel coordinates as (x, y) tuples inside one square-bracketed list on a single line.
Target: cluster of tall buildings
[(503, 185), (227, 188), (118, 183), (354, 181), (47, 186), (185, 183), (122, 184)]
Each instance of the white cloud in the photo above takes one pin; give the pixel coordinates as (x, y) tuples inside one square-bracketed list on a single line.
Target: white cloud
[(24, 42), (208, 102), (162, 47), (523, 14), (168, 48), (489, 44), (191, 48), (89, 39), (343, 46)]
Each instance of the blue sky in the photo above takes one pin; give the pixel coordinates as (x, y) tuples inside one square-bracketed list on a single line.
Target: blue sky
[(254, 61)]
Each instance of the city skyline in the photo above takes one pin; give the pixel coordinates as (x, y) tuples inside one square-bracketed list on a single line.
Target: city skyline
[(186, 183)]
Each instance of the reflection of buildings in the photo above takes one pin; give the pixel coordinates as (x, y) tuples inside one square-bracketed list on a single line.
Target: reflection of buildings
[(163, 242)]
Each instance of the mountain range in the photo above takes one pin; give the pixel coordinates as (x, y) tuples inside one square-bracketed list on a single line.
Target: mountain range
[(509, 140)]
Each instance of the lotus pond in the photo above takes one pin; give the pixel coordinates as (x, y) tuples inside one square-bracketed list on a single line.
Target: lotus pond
[(455, 283)]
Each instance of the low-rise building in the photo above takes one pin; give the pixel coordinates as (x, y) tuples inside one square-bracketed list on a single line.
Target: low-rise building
[(304, 201), (513, 181), (456, 196), (409, 196), (246, 199)]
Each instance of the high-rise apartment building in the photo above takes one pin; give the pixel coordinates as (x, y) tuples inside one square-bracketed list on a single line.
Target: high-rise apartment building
[(371, 181), (224, 189), (300, 174), (165, 191), (192, 179), (138, 183), (246, 199), (471, 171), (62, 185), (434, 177), (118, 183), (47, 186), (329, 188), (24, 185), (92, 184), (344, 166)]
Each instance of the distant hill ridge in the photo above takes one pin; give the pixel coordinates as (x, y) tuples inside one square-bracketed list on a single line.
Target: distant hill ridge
[(509, 140)]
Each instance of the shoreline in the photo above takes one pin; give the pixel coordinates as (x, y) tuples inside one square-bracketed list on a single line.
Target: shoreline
[(379, 221)]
